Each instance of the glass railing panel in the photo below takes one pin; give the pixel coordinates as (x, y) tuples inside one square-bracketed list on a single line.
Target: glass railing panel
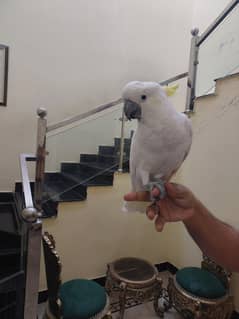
[(179, 97), (83, 137), (218, 54), (85, 153)]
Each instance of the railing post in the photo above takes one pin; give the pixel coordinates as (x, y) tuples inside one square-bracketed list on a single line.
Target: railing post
[(40, 157), (192, 72), (32, 268), (31, 215), (121, 155)]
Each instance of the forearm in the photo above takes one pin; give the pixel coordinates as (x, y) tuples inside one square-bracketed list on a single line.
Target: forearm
[(215, 238)]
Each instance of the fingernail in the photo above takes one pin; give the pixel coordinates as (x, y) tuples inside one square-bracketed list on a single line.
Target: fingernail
[(150, 214), (159, 227)]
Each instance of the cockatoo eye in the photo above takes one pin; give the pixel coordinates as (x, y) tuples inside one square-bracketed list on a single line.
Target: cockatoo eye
[(143, 97)]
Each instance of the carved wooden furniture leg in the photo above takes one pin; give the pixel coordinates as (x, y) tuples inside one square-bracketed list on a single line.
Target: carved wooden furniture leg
[(169, 304), (198, 313), (108, 283), (157, 296), (122, 299), (107, 316)]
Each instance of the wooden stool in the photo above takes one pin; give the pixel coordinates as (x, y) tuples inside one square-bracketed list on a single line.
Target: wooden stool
[(135, 278)]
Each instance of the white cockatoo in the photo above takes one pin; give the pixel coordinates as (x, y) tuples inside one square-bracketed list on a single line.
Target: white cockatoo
[(161, 141)]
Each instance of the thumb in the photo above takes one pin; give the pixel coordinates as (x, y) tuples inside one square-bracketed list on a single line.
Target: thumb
[(175, 190), (137, 196)]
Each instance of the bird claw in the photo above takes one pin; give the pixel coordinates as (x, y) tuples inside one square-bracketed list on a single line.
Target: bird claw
[(161, 187)]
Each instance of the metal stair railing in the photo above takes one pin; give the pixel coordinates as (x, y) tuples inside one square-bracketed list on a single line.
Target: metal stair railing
[(196, 42), (31, 216), (104, 107)]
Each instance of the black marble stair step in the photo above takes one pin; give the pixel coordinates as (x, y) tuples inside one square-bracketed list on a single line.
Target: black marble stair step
[(60, 188), (91, 158), (117, 141), (100, 180), (111, 167), (107, 150), (9, 264), (87, 168), (88, 157), (9, 241), (109, 159), (6, 197), (88, 173), (127, 145), (61, 193), (10, 238), (100, 167), (114, 150), (19, 188), (10, 251), (8, 221), (49, 206)]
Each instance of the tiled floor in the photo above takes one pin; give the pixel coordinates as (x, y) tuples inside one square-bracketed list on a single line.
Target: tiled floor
[(146, 311), (141, 311)]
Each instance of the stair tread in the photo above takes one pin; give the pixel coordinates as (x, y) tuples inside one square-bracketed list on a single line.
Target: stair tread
[(7, 220), (55, 190), (100, 165), (6, 197), (9, 251), (88, 180), (98, 168)]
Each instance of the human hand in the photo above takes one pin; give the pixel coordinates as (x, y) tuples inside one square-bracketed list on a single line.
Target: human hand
[(178, 205)]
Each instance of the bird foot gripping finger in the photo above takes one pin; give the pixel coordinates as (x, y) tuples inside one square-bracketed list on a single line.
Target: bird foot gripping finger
[(161, 187)]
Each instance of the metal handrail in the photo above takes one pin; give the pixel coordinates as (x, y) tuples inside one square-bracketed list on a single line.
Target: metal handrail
[(174, 78), (24, 158), (196, 41), (82, 116), (31, 214), (103, 107), (216, 23)]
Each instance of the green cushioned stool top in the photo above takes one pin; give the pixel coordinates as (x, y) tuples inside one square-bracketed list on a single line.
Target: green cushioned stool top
[(82, 299), (200, 283)]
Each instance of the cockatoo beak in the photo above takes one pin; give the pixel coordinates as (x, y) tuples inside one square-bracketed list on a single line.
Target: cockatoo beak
[(132, 110)]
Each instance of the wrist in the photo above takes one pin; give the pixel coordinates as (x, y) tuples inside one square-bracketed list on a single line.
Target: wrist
[(196, 212)]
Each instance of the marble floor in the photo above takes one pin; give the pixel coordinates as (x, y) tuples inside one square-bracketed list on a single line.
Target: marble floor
[(146, 311), (140, 311)]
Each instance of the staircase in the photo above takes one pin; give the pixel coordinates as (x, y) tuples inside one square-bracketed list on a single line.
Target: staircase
[(71, 183), (11, 257), (10, 236)]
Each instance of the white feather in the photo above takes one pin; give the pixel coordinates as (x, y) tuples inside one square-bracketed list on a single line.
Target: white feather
[(162, 139)]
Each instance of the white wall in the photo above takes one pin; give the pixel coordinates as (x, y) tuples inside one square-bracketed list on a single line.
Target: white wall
[(95, 232), (218, 55), (70, 56), (211, 169), (206, 11)]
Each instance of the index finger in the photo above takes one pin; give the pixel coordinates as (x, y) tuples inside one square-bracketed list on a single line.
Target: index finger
[(137, 196)]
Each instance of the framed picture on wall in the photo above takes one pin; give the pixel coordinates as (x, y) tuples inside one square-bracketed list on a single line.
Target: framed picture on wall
[(3, 74)]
